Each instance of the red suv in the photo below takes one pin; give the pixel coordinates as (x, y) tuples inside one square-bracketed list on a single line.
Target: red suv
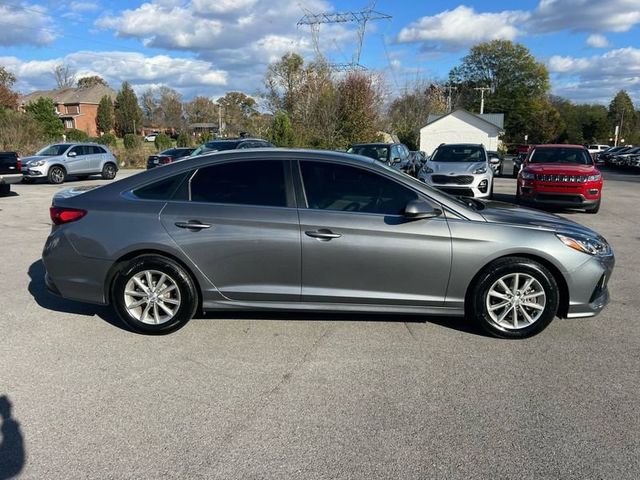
[(560, 175)]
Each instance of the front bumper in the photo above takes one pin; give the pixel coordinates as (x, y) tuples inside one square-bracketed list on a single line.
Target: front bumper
[(588, 287), (34, 172), (576, 195)]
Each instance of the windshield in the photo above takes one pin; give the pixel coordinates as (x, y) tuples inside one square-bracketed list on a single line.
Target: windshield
[(214, 147), (53, 150), (561, 155), (377, 152), (458, 153)]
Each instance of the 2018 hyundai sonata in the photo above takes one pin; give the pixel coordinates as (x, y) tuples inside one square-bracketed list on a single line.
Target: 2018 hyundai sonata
[(316, 231)]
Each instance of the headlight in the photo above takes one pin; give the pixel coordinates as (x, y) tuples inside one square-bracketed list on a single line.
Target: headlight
[(594, 178), (527, 175), (480, 170), (426, 170), (37, 163), (585, 243)]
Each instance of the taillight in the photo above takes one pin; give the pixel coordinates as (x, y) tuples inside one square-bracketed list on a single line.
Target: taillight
[(19, 164), (165, 160), (61, 215)]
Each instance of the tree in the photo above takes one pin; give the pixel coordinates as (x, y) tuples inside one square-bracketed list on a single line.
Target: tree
[(359, 102), (283, 81), (127, 111), (281, 130), (623, 114), (408, 113), (516, 78), (150, 107), (546, 122), (104, 117), (87, 82), (8, 98), (170, 105), (201, 110), (64, 75), (43, 110), (237, 109)]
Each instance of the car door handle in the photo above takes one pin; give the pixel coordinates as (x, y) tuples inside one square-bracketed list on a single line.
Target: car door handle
[(192, 224), (322, 234)]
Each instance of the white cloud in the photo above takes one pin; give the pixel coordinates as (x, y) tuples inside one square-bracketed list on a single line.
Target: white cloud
[(84, 6), (463, 27), (597, 78), (598, 41), (25, 24), (184, 74), (585, 15)]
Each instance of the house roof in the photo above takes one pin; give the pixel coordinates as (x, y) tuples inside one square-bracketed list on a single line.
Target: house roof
[(91, 94), (495, 119)]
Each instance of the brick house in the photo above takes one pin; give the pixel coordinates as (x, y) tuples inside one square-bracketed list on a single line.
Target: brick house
[(76, 107)]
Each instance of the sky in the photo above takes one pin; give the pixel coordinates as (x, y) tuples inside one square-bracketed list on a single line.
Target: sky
[(210, 47)]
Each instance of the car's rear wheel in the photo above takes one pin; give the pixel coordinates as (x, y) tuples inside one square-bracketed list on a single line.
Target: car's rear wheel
[(153, 294), (109, 171), (56, 175), (514, 297)]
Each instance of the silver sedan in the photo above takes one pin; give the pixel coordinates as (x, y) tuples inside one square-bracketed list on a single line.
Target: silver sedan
[(316, 231)]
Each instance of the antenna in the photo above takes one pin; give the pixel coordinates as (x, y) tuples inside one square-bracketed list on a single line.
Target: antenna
[(362, 17)]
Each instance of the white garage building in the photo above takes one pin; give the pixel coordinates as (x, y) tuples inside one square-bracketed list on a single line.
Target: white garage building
[(461, 126)]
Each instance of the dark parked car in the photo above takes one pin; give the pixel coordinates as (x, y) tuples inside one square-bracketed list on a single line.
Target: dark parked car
[(607, 155), (395, 155), (168, 156), (231, 144), (316, 231), (518, 161), (10, 163)]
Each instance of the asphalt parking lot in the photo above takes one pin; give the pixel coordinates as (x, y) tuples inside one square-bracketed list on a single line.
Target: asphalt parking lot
[(314, 396)]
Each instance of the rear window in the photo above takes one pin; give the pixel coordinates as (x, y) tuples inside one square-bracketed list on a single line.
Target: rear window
[(162, 189), (561, 155), (377, 152)]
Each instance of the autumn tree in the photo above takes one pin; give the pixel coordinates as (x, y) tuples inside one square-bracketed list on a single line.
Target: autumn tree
[(128, 115), (359, 103), (88, 82), (8, 98), (201, 110), (284, 81), (517, 81), (237, 110), (170, 106)]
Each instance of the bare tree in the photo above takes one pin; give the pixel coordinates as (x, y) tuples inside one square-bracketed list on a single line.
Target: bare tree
[(64, 75)]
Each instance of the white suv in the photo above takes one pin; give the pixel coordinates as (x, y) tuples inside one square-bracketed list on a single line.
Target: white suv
[(56, 161)]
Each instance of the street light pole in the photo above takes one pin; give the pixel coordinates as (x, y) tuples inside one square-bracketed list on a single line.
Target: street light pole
[(482, 90)]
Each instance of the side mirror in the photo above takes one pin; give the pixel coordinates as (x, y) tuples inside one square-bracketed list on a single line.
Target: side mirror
[(395, 160), (71, 154), (418, 209)]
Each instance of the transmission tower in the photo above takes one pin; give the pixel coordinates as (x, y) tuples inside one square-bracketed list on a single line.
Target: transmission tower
[(362, 17)]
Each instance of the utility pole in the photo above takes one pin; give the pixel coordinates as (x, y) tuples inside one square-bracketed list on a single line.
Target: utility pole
[(449, 89), (482, 90), (618, 130)]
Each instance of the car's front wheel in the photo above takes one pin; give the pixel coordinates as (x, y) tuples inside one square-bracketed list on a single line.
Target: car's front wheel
[(514, 297), (153, 294), (56, 175)]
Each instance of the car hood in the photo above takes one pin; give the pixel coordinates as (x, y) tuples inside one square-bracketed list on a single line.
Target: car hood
[(501, 212), (561, 169), (446, 168)]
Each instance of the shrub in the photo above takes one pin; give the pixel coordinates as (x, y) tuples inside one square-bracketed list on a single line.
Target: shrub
[(204, 138), (183, 140), (106, 139), (162, 142), (132, 141), (75, 135)]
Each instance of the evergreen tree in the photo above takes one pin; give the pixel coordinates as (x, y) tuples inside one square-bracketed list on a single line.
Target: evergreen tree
[(43, 111), (104, 117), (128, 115)]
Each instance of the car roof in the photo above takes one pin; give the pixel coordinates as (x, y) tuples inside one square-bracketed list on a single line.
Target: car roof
[(559, 145)]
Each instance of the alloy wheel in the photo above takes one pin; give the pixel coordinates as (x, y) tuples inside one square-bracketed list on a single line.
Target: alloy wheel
[(515, 301), (152, 297)]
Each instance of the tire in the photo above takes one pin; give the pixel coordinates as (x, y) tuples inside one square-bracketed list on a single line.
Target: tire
[(488, 291), (491, 191), (144, 310), (109, 171), (515, 173), (595, 208), (56, 175)]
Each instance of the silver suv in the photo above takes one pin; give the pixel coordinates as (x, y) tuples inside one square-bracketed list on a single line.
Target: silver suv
[(55, 162)]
